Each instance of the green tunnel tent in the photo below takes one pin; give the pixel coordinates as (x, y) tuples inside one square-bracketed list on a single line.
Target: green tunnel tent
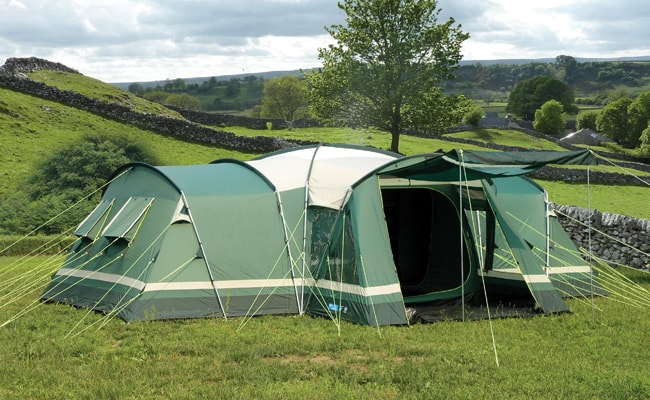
[(340, 231)]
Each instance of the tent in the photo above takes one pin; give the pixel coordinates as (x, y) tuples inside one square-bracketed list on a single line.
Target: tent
[(346, 232)]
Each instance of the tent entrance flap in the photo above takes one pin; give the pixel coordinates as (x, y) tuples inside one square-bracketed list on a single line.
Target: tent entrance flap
[(424, 230)]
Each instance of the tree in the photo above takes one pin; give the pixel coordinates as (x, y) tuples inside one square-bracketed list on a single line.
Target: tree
[(473, 115), (569, 65), (529, 95), (386, 67), (549, 119), (136, 89), (613, 120), (645, 142), (587, 120), (156, 95), (285, 97), (639, 115), (183, 100)]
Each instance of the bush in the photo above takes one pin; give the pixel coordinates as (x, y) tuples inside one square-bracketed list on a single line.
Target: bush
[(50, 202), (32, 245)]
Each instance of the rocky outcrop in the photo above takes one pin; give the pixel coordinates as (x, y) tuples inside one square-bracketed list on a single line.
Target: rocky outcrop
[(18, 67)]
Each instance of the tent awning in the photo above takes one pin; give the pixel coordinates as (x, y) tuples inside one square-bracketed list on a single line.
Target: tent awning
[(483, 164)]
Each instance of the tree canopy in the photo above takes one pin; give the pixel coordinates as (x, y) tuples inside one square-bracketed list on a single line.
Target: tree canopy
[(613, 121), (549, 119), (529, 95), (284, 98), (386, 67)]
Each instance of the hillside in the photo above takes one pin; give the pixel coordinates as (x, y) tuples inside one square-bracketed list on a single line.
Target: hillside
[(45, 107)]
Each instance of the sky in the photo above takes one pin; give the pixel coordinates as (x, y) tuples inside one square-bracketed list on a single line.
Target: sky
[(152, 40)]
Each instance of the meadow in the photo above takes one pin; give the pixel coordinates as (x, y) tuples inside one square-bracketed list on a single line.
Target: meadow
[(600, 351)]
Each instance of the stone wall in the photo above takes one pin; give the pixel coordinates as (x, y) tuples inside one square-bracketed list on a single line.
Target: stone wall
[(178, 127), (615, 238), (224, 120)]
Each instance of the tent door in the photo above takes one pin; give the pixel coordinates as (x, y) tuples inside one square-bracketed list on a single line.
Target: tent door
[(424, 231)]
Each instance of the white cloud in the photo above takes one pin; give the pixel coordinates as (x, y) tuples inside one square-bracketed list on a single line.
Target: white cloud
[(139, 40)]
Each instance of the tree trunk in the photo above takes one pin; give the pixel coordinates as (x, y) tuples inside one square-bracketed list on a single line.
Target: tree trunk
[(396, 127), (394, 144)]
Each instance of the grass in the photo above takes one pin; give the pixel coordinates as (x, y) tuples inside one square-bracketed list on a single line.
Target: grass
[(626, 200), (555, 357), (31, 128), (507, 138), (97, 89)]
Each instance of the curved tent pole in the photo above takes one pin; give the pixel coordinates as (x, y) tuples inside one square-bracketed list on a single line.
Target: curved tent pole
[(301, 305), (203, 253)]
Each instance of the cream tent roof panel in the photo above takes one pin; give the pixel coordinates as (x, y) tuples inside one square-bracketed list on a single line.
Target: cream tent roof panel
[(330, 171)]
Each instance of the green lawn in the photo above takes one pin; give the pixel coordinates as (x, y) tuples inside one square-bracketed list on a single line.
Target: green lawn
[(58, 352)]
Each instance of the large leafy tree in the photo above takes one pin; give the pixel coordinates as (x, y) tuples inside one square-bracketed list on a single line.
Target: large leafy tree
[(285, 98), (529, 95), (639, 115), (613, 120), (386, 67)]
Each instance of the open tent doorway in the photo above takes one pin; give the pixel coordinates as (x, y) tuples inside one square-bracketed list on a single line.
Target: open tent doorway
[(425, 231)]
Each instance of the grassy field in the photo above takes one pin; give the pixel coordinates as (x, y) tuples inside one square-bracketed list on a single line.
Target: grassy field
[(58, 352)]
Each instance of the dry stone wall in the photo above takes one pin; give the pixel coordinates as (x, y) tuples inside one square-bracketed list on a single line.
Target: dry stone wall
[(13, 76), (616, 238)]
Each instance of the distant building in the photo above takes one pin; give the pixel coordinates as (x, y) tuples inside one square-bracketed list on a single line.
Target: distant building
[(586, 136)]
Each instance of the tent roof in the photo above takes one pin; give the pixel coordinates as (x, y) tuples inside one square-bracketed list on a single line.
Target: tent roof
[(482, 164), (329, 170)]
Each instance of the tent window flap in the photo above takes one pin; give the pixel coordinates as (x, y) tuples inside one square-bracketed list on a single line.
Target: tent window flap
[(122, 224), (91, 226)]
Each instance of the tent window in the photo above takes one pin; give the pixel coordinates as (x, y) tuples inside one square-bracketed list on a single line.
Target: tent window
[(424, 230), (94, 222), (125, 222), (333, 254)]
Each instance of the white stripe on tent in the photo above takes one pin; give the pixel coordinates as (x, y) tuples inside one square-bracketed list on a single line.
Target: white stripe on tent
[(569, 270), (102, 276), (513, 274), (393, 288), (536, 278), (358, 290), (230, 284)]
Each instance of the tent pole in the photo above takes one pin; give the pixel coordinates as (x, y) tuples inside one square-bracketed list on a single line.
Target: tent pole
[(547, 220), (304, 227), (460, 220), (203, 253), (591, 269)]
